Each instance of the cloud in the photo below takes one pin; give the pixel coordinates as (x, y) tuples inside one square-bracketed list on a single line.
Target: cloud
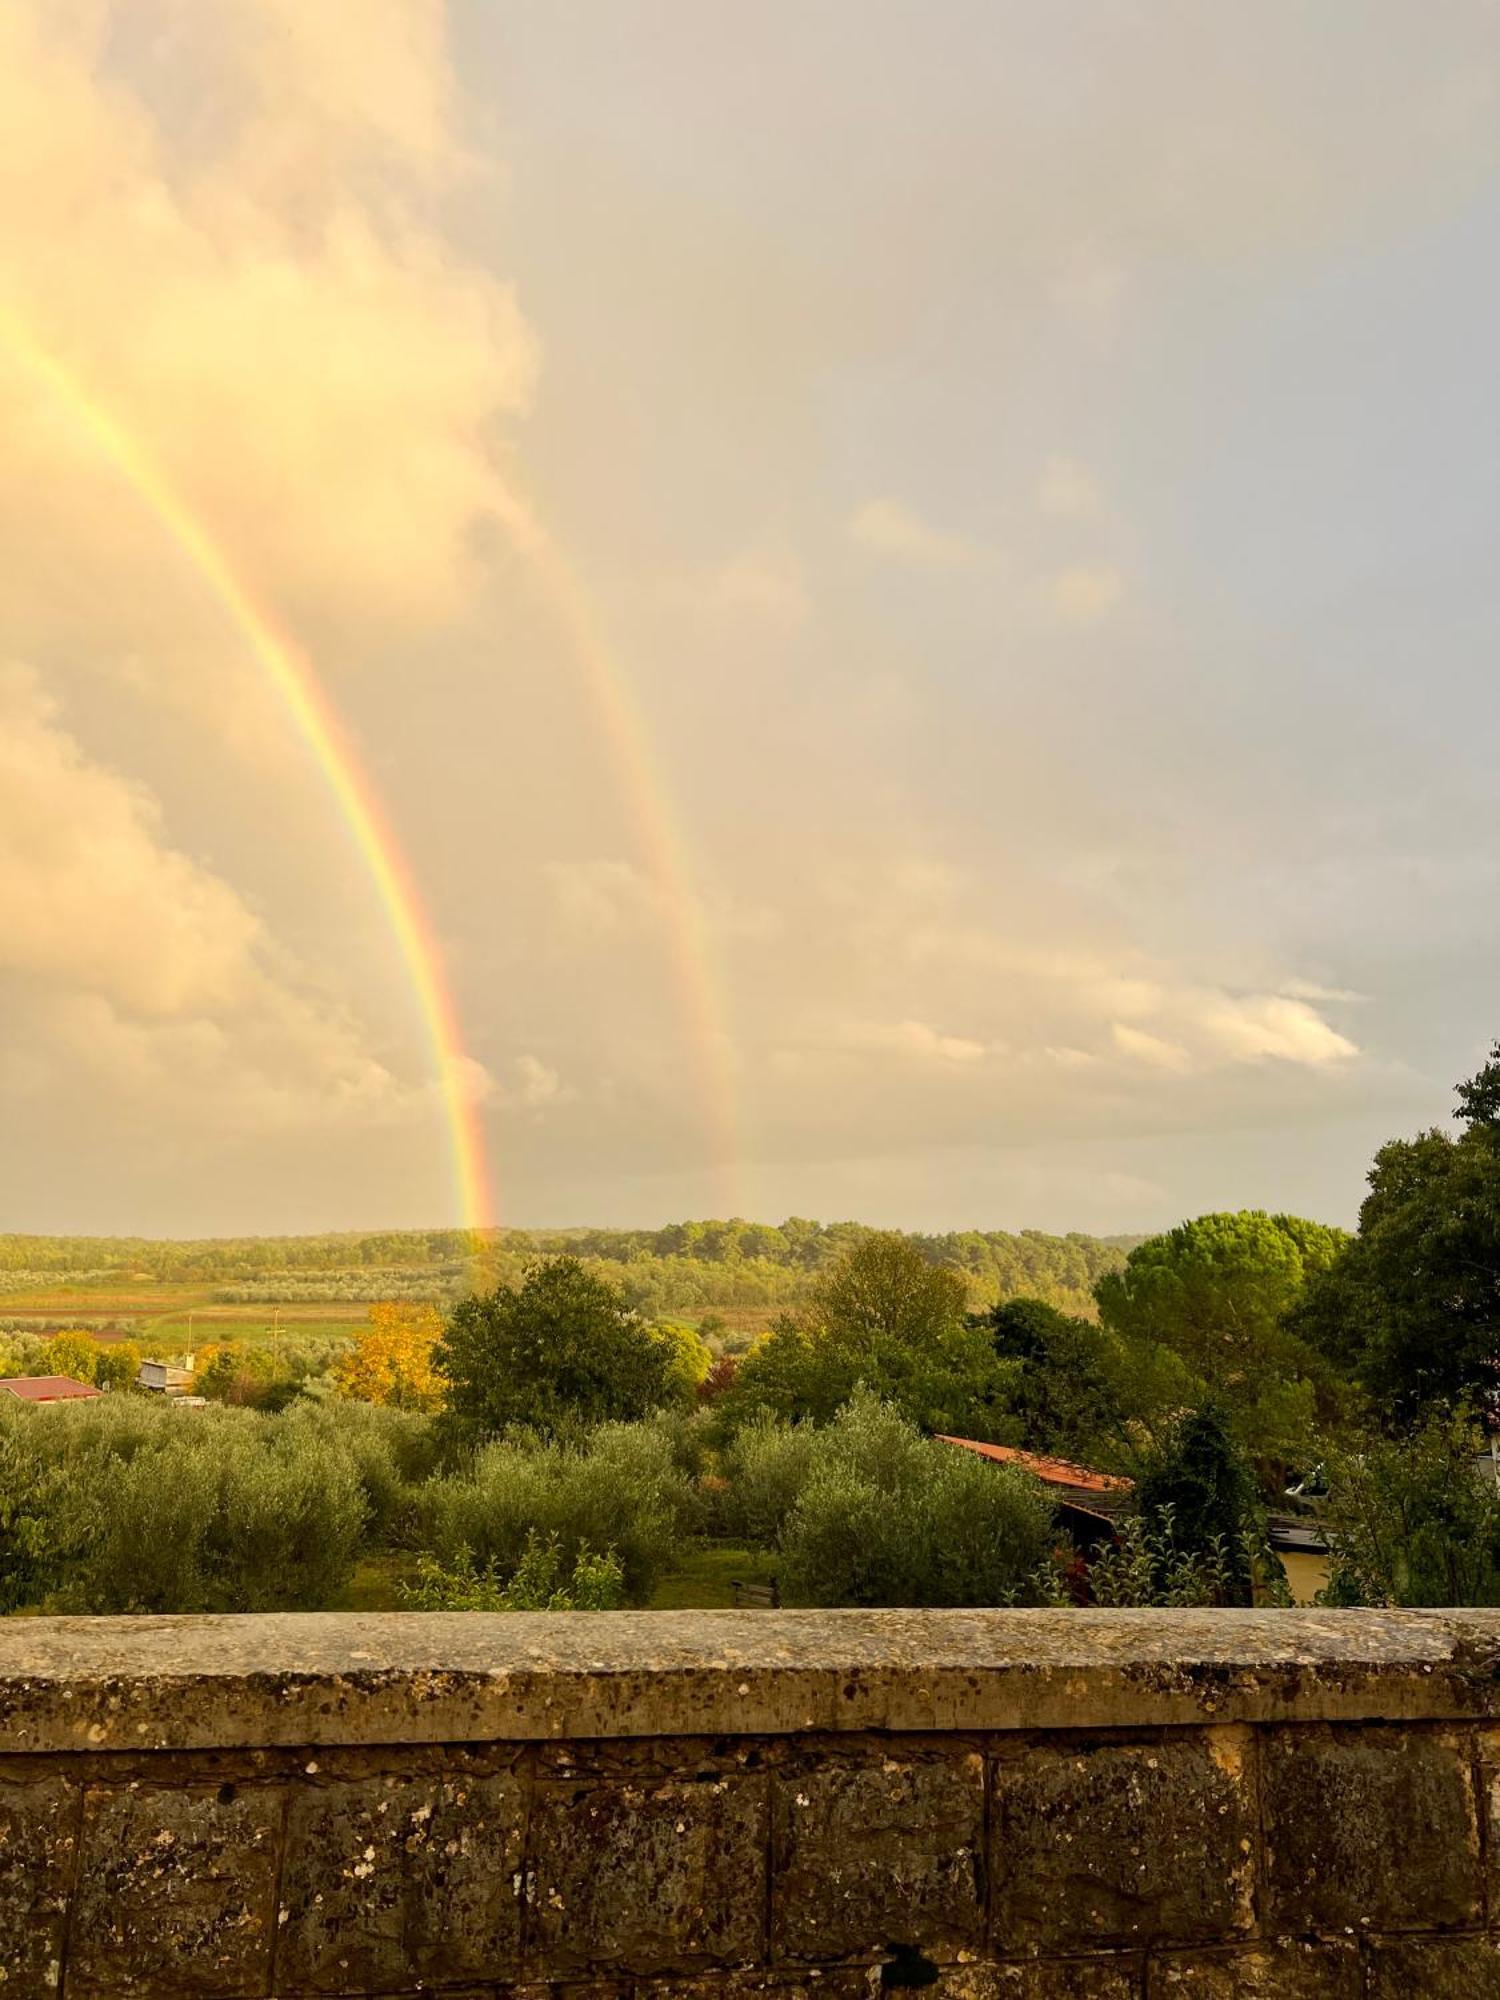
[(1273, 1025), (1068, 491), (916, 1040), (259, 307), (603, 896), (1084, 594), (1150, 1049), (126, 962), (764, 584), (886, 528)]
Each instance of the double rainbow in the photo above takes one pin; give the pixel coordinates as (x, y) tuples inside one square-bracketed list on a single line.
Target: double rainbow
[(358, 804)]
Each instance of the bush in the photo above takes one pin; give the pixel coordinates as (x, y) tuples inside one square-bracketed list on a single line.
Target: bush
[(768, 1466), (541, 1582), (132, 1506), (886, 1516), (620, 1490), (1414, 1521)]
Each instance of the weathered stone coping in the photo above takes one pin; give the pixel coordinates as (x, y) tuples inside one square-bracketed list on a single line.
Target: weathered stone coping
[(355, 1679)]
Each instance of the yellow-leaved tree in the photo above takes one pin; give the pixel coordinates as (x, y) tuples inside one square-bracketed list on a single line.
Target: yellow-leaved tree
[(391, 1359)]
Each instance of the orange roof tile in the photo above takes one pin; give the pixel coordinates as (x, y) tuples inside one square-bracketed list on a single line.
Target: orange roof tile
[(1051, 1471)]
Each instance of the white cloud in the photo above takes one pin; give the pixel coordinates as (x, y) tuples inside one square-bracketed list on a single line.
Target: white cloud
[(603, 896), (1150, 1049), (125, 961), (1262, 1025), (886, 528), (1068, 491), (764, 584), (262, 314), (916, 1040), (1084, 594)]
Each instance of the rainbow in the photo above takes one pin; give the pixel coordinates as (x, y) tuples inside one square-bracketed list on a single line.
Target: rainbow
[(656, 831), (328, 744), (318, 724)]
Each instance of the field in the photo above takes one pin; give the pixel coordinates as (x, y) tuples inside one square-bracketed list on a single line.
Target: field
[(731, 1279), (173, 1318)]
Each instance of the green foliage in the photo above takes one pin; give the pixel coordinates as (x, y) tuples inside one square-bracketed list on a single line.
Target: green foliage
[(689, 1360), (129, 1505), (1415, 1520), (1218, 1294), (883, 1515), (768, 1464), (1413, 1306), (692, 1268), (541, 1581), (1066, 1395), (887, 1320), (1198, 1495), (246, 1377), (620, 1489), (562, 1350), (1144, 1566)]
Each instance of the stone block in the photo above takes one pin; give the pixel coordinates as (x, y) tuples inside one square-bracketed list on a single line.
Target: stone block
[(1122, 1843), (1281, 1969), (871, 1855), (394, 1880), (1114, 1976), (1370, 1829), (176, 1892), (1427, 1969), (655, 1875), (38, 1843)]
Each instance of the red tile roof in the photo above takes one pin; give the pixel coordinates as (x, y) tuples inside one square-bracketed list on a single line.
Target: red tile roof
[(46, 1388), (1051, 1471)]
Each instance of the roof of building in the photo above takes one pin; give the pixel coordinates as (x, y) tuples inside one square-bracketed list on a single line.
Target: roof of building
[(1051, 1471), (47, 1388)]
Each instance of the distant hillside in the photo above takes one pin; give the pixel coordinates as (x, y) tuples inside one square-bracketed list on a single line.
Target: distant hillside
[(745, 1272)]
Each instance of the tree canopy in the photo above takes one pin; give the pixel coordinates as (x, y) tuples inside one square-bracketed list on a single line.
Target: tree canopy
[(563, 1349), (890, 1321), (1413, 1306)]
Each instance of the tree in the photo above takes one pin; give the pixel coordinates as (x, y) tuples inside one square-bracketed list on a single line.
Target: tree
[(563, 1349), (1219, 1293), (1064, 1396), (689, 1360), (69, 1354), (868, 1511), (116, 1366), (1415, 1520), (1413, 1305), (885, 1319), (1199, 1497), (391, 1359)]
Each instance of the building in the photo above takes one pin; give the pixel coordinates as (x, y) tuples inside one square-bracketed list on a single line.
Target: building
[(47, 1388), (1084, 1501), (166, 1378)]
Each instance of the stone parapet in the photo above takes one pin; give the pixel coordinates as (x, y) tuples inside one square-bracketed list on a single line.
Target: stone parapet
[(1045, 1805)]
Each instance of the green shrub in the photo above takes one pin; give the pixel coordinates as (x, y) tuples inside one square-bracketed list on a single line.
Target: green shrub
[(619, 1489), (128, 1505), (768, 1465), (1415, 1520), (542, 1581), (886, 1516)]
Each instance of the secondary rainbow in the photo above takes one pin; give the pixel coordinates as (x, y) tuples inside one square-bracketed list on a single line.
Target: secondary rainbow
[(329, 745), (694, 965)]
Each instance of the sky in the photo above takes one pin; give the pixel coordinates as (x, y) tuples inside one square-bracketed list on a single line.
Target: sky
[(914, 581)]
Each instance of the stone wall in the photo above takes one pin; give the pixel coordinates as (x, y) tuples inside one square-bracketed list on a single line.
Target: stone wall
[(998, 1805)]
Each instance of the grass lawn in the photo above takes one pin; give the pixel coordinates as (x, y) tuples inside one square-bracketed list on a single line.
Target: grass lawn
[(701, 1580)]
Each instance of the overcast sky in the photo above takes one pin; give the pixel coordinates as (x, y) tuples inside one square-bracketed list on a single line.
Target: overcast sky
[(1033, 469)]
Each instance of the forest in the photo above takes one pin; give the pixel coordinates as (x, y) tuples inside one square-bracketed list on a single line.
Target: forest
[(544, 1439)]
